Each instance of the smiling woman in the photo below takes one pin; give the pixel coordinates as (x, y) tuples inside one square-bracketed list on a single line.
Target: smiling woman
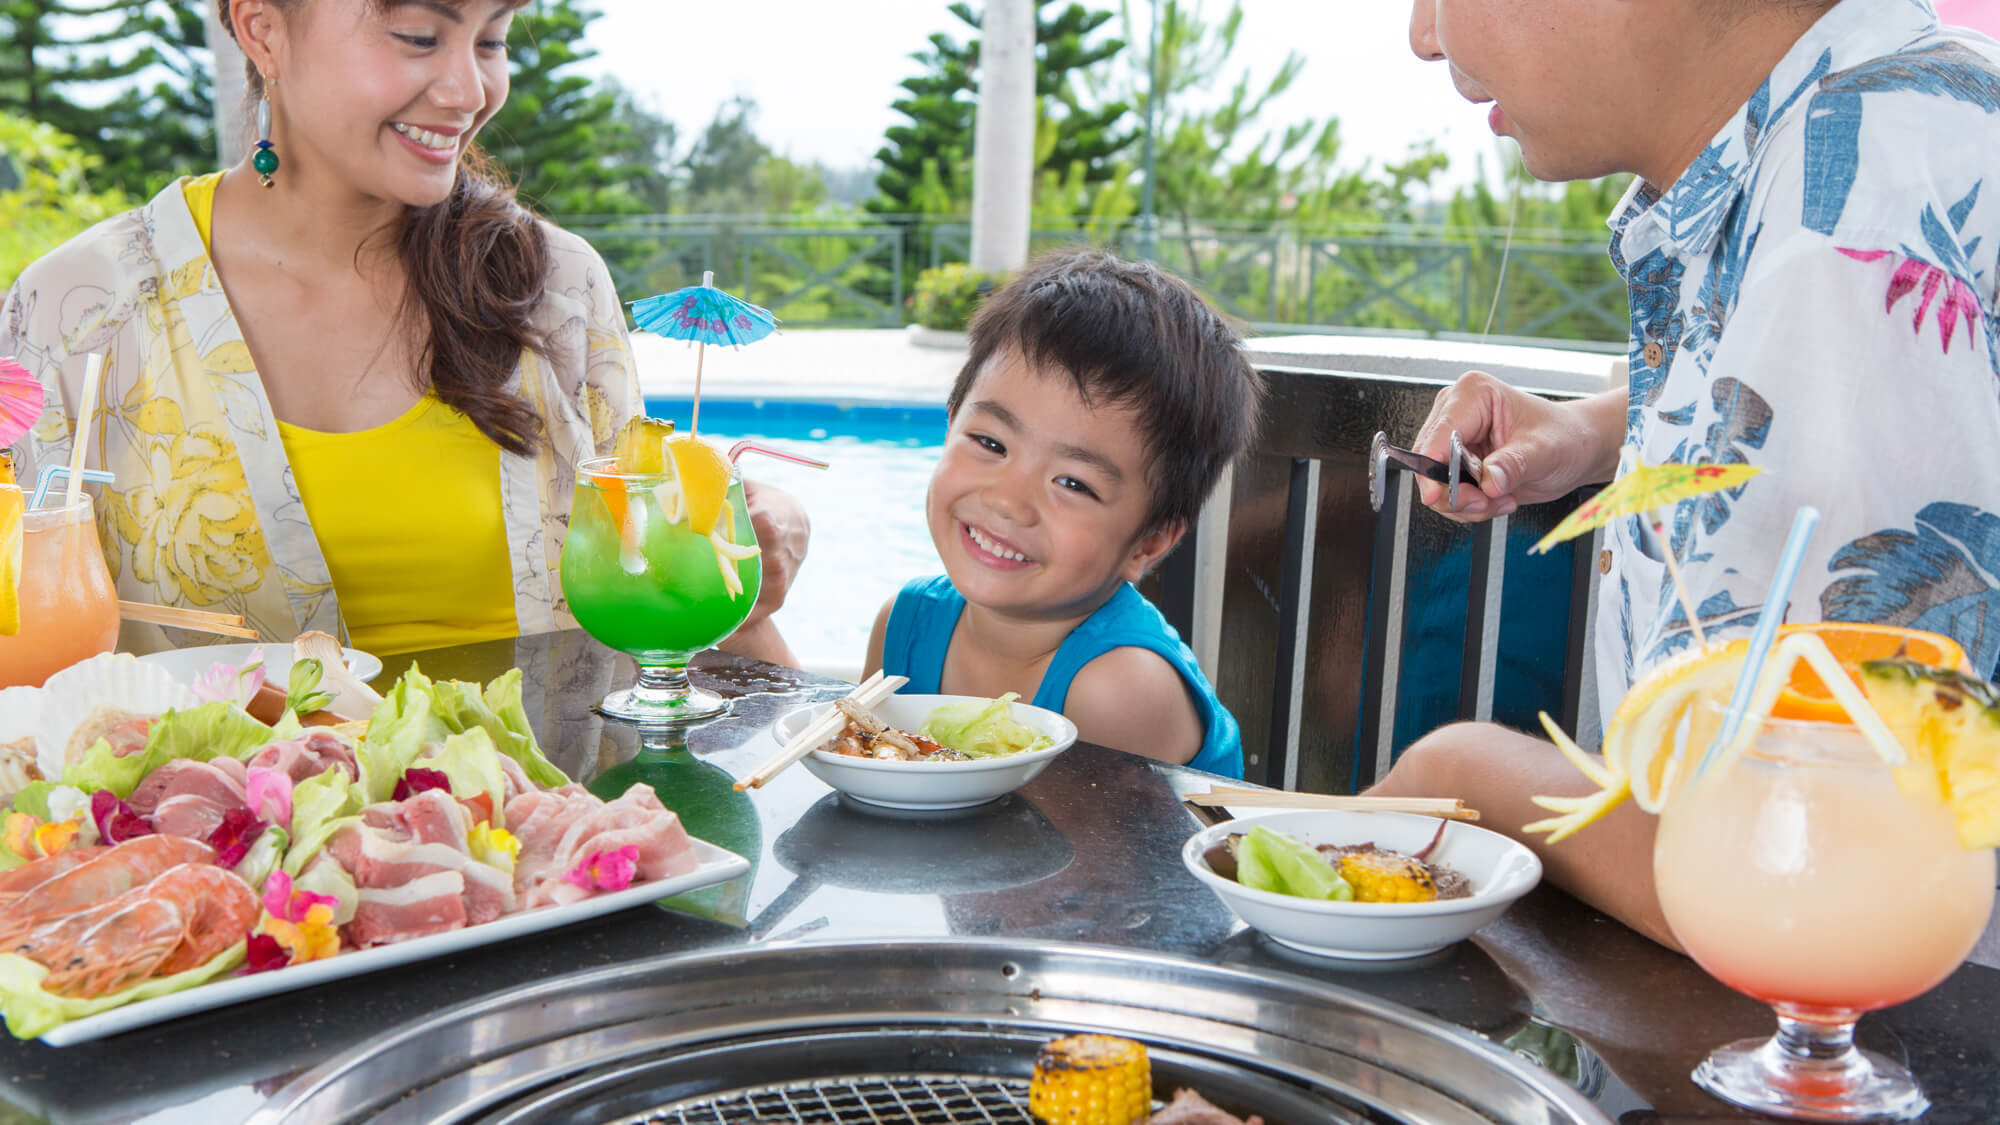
[(348, 380)]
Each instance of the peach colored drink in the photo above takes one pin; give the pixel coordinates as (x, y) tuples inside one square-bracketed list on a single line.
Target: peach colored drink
[(69, 610)]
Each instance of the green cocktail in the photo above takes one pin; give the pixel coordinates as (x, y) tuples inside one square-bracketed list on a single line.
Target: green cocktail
[(641, 580)]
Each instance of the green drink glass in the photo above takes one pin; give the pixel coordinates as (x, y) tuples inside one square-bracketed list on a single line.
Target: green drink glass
[(644, 583)]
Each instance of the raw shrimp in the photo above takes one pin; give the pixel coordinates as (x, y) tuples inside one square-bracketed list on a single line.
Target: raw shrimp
[(28, 876), (118, 870), (220, 909), (178, 921)]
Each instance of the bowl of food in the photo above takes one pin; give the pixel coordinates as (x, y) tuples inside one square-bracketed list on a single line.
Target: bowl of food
[(930, 752), (1364, 885)]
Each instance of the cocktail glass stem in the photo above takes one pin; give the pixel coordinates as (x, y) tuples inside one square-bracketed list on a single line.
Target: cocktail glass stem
[(663, 697), (1811, 1071)]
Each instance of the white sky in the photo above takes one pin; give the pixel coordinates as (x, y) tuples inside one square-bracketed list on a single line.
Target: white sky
[(823, 72)]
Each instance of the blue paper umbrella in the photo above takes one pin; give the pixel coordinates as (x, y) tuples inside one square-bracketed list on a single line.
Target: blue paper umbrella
[(706, 315)]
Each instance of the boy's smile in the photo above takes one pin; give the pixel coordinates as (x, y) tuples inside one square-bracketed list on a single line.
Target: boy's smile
[(1039, 499)]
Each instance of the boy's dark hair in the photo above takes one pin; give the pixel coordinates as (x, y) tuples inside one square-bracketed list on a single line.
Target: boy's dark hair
[(1130, 334)]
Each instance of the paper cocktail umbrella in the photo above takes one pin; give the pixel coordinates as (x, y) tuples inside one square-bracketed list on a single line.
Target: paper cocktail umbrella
[(705, 315), (20, 401)]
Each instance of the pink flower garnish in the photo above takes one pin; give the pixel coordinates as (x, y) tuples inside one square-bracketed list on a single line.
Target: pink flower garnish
[(225, 682), (233, 838), (283, 902), (116, 821), (269, 793), (264, 954), (416, 780), (606, 871)]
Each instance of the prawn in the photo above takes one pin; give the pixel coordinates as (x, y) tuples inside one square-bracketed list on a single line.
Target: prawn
[(179, 921), (128, 865), (221, 909), (28, 876)]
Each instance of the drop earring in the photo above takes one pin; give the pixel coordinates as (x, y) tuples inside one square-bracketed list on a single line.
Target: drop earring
[(266, 159)]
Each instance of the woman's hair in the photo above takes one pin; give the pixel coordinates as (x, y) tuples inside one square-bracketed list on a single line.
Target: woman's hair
[(477, 264)]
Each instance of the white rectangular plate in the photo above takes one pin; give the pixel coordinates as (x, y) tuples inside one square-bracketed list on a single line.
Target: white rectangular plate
[(717, 865)]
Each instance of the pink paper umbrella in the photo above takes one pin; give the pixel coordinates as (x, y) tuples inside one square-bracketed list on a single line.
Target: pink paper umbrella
[(20, 401), (1979, 15)]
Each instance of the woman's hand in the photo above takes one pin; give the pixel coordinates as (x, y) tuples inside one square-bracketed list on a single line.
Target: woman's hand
[(783, 531), (1534, 450)]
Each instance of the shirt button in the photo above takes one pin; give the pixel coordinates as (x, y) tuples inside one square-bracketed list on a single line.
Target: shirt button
[(1604, 562), (1654, 353)]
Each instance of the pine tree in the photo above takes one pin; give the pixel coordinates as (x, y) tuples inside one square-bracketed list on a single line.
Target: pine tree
[(926, 164)]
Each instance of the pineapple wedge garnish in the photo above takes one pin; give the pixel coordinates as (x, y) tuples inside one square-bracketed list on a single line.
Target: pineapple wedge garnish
[(1951, 723)]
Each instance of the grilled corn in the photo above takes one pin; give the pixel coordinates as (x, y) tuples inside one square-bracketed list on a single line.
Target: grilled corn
[(1091, 1080), (1387, 878)]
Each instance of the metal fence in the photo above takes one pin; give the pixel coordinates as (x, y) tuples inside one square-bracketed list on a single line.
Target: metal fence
[(1430, 281)]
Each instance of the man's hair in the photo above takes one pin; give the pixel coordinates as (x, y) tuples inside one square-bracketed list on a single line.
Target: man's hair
[(1131, 335)]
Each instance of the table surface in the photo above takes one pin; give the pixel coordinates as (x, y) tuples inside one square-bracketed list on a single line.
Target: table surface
[(1088, 851)]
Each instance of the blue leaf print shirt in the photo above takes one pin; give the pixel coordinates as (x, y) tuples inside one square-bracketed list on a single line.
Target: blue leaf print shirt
[(1816, 295)]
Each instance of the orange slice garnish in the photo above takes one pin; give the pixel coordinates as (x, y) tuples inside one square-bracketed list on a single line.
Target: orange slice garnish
[(1806, 696), (13, 515), (704, 477)]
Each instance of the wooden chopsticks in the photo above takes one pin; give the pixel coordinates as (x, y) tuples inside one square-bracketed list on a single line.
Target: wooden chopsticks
[(199, 620), (1447, 808), (866, 695)]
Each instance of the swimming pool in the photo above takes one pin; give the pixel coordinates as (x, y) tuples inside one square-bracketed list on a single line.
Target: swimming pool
[(868, 530)]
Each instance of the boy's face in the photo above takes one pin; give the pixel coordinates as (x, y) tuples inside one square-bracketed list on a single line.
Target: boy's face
[(1039, 503)]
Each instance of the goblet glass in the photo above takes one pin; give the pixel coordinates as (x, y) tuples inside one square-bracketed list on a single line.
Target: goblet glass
[(69, 610), (652, 587), (1811, 875)]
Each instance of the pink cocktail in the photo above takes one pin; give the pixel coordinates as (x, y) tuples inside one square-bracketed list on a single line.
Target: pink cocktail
[(69, 610), (1810, 876)]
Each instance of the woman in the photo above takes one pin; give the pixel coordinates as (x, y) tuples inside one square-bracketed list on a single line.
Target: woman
[(1813, 255), (347, 381)]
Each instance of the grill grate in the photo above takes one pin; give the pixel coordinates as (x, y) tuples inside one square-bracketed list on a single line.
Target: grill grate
[(871, 1099)]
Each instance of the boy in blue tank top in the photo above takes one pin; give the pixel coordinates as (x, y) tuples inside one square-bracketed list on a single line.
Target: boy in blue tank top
[(1100, 401)]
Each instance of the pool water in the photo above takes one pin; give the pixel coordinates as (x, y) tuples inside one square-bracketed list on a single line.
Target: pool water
[(867, 509)]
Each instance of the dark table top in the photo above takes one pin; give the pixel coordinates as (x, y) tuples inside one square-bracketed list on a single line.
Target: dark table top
[(1088, 851)]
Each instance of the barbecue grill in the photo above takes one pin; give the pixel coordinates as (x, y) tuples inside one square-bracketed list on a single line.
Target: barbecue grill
[(908, 1031)]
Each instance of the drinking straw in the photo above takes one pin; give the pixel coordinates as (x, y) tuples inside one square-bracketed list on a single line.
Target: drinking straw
[(742, 447), (79, 445), (47, 478), (1768, 621)]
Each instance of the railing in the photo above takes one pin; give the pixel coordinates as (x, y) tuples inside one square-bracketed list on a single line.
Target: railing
[(816, 271)]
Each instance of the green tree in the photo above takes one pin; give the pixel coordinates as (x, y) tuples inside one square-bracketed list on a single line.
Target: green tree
[(718, 169), (926, 164), (54, 193), (128, 79), (568, 141)]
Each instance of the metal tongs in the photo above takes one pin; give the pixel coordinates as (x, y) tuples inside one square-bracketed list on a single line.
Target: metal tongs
[(1382, 456)]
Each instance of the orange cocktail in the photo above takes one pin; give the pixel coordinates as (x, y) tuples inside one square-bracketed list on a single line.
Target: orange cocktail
[(68, 608)]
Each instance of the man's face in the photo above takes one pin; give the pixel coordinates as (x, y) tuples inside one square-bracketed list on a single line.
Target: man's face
[(1559, 76)]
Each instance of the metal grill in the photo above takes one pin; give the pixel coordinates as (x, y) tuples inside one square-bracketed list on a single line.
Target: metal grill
[(871, 1099)]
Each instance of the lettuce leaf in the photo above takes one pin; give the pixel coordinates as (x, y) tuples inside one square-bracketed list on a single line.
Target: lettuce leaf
[(983, 728), (32, 1012), (473, 766), (404, 722), (1272, 861), (33, 799), (321, 804), (200, 733), (499, 712)]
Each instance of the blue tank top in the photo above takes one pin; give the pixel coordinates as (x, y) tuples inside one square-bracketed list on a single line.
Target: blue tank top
[(926, 612)]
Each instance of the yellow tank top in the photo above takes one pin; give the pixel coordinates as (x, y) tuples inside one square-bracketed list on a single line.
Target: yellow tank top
[(407, 514)]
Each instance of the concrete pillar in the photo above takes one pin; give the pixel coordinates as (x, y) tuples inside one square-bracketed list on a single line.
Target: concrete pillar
[(232, 125), (1003, 137)]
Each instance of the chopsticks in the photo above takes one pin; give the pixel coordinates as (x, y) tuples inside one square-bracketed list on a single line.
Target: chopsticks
[(1447, 808), (199, 620), (866, 695)]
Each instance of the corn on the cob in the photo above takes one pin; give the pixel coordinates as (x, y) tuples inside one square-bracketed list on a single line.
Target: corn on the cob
[(1091, 1080), (1387, 878)]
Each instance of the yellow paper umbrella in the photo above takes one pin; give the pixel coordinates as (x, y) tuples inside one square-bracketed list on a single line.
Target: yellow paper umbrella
[(1644, 488)]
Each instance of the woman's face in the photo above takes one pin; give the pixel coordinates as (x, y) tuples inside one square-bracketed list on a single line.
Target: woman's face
[(387, 97)]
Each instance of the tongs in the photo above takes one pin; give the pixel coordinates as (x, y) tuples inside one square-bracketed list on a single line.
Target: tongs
[(1382, 456)]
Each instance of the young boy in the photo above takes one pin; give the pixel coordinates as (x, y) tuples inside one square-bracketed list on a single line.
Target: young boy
[(1099, 403)]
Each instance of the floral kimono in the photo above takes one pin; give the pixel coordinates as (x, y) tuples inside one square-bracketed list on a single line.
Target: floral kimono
[(203, 511), (1816, 295)]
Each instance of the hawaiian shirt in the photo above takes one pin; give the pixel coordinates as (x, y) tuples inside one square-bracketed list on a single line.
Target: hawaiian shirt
[(203, 512), (1816, 296)]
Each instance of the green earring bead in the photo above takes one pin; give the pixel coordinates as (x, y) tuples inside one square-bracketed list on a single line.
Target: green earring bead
[(265, 161)]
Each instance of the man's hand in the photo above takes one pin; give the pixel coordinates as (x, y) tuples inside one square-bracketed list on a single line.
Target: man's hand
[(783, 531), (1534, 449)]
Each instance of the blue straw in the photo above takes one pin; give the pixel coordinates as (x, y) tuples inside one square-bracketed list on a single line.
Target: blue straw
[(1767, 630), (48, 477)]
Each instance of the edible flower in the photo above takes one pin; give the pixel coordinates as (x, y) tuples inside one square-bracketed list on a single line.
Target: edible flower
[(269, 793), (67, 802), (416, 780), (263, 953), (56, 835), (287, 903), (234, 836), (30, 837), (606, 871), (226, 683), (301, 698), (296, 926), (116, 821), (497, 846)]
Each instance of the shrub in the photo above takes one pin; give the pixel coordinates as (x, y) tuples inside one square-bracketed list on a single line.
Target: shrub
[(946, 297), (48, 199)]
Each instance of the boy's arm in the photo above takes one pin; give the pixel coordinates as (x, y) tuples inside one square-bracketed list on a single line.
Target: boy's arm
[(875, 637), (1133, 700)]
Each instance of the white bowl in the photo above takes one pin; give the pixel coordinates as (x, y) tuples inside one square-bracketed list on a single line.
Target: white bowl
[(928, 785), (1500, 870), (188, 664)]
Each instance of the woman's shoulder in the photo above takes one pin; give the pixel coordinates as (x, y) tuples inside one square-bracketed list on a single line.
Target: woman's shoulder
[(579, 283), (104, 255)]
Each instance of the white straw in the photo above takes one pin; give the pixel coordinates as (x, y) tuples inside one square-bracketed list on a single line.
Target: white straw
[(79, 444)]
